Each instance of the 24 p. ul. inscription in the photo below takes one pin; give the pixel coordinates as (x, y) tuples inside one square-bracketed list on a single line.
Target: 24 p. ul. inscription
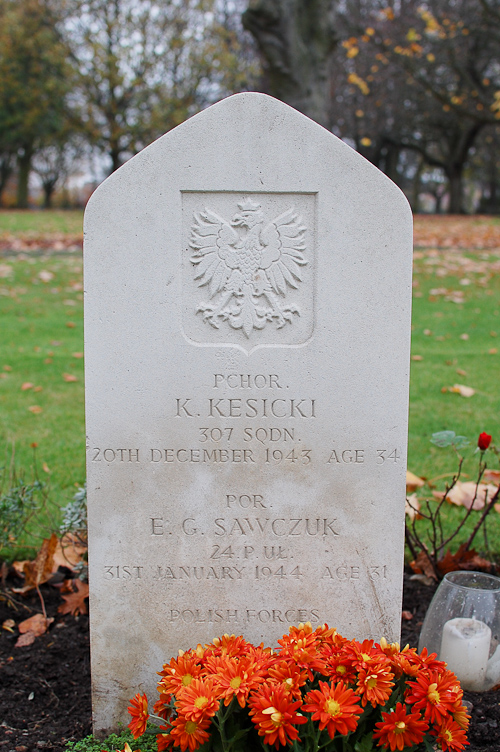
[(248, 266)]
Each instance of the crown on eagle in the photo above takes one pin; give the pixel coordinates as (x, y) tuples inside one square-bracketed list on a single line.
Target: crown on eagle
[(248, 205)]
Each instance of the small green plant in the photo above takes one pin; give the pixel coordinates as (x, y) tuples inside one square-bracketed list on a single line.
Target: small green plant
[(74, 525), (20, 499), (112, 743), (436, 557), (75, 515)]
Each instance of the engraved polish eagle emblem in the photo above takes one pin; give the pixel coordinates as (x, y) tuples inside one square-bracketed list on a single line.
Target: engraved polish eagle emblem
[(248, 266)]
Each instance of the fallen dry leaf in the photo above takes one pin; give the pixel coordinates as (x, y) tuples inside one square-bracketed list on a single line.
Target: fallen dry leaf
[(45, 468), (39, 571), (413, 482), (7, 368), (9, 625), (461, 372), (422, 565), (45, 275), (417, 357), (74, 603), (69, 377), (37, 624), (70, 324), (465, 495), (464, 336), (492, 351), (412, 507), (28, 638), (38, 389), (78, 355), (463, 559), (406, 615), (27, 385), (32, 628), (492, 476), (70, 551), (36, 409), (464, 391)]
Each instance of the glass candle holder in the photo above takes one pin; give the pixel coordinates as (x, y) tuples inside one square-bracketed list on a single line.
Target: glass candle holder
[(462, 626)]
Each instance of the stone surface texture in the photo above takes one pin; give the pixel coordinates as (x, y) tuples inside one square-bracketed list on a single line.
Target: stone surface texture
[(247, 324)]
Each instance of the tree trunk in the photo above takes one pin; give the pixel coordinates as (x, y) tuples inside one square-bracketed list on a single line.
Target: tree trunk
[(48, 191), (115, 155), (24, 169), (454, 173), (5, 173), (296, 40)]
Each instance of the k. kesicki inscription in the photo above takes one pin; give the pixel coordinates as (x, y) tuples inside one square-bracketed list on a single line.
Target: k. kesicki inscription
[(249, 273)]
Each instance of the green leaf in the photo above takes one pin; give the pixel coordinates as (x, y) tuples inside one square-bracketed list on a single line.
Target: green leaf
[(460, 441), (365, 744), (443, 438)]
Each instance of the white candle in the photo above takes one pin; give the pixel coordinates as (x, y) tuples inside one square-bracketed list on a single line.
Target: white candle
[(465, 647)]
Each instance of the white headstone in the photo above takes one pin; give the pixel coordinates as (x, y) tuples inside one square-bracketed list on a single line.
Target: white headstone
[(248, 287)]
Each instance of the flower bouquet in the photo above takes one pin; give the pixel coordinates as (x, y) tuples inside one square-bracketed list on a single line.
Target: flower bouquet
[(318, 691)]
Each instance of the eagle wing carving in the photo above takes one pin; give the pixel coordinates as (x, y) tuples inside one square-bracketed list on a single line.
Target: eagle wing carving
[(213, 241), (283, 255)]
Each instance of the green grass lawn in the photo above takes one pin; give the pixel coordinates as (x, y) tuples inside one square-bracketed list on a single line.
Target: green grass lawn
[(22, 222), (455, 333), (41, 344)]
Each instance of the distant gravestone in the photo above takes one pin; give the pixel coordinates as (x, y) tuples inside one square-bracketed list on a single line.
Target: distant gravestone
[(248, 286)]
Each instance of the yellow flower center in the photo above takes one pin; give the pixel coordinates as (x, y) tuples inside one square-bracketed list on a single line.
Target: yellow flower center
[(399, 727), (372, 681), (277, 718), (332, 707), (433, 694), (341, 669), (200, 702), (190, 727), (365, 657), (186, 680), (288, 681), (448, 735), (235, 683)]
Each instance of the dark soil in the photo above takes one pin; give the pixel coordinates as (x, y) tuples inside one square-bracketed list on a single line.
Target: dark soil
[(45, 687)]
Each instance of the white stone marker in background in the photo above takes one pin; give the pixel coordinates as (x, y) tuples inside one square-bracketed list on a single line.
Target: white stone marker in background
[(247, 320)]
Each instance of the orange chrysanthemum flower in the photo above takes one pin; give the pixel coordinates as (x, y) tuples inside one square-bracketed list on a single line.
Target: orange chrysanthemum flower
[(399, 729), (404, 661), (460, 714), (365, 654), (237, 678), (164, 741), (139, 711), (428, 661), (199, 700), (189, 734), (162, 706), (339, 664), (228, 645), (335, 707), (434, 694), (274, 715), (290, 676), (450, 736), (179, 673), (300, 647), (325, 635), (375, 685)]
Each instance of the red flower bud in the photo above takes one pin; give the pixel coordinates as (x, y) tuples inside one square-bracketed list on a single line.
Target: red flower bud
[(483, 441)]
